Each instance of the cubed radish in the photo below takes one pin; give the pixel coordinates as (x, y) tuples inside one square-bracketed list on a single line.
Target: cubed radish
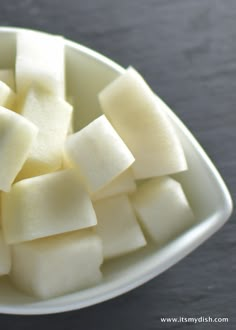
[(131, 106), (66, 163), (7, 96), (57, 265), (8, 77), (46, 205), (124, 183), (5, 256), (117, 226), (0, 209), (70, 100), (52, 116), (99, 153), (40, 60), (17, 136), (162, 208)]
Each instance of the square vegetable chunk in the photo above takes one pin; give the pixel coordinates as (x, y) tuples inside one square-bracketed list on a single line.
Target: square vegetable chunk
[(46, 205), (57, 265)]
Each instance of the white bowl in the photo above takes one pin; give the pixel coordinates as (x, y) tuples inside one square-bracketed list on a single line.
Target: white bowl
[(88, 72)]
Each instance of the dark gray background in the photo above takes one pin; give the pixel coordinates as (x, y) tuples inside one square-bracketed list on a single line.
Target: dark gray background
[(186, 50)]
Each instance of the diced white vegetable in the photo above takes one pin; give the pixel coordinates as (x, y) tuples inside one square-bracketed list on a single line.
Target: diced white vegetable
[(52, 116), (0, 209), (40, 60), (57, 265), (7, 96), (5, 256), (71, 126), (46, 205), (124, 183), (131, 107), (8, 77), (17, 136), (70, 100), (99, 153), (162, 208), (66, 163), (117, 226)]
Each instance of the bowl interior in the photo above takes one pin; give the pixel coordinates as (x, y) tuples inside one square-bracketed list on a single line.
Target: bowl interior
[(87, 73)]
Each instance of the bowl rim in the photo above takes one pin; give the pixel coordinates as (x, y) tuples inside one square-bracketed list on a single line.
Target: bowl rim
[(205, 229)]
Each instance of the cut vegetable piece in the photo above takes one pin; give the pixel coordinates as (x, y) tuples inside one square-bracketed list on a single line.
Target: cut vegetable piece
[(71, 125), (46, 205), (117, 226), (8, 77), (99, 153), (131, 107), (7, 96), (5, 256), (66, 163), (40, 60), (57, 265), (124, 183), (162, 208), (52, 116), (0, 209), (70, 100), (17, 136)]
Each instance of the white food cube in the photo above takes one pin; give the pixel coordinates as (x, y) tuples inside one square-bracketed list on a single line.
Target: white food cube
[(46, 205), (17, 137), (70, 100), (0, 209), (66, 163), (131, 106), (124, 183), (99, 153), (57, 265), (5, 256), (40, 60), (117, 226), (162, 208), (52, 115), (7, 96), (8, 77)]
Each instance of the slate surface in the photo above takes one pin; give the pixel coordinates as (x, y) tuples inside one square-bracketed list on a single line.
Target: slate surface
[(186, 50)]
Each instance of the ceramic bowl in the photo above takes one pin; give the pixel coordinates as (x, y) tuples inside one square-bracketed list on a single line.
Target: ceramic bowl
[(87, 73)]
